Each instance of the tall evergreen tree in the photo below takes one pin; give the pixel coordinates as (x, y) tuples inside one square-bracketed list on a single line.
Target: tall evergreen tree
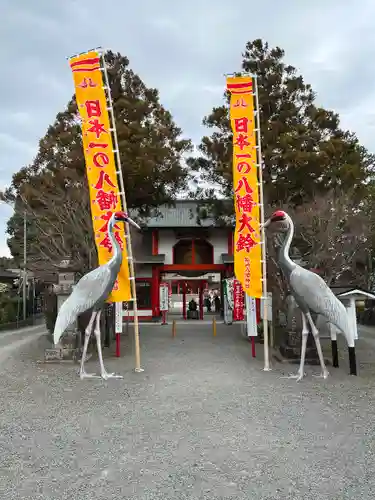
[(53, 189), (305, 152)]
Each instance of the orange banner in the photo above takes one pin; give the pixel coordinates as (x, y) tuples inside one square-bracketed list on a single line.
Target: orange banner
[(247, 243), (100, 164)]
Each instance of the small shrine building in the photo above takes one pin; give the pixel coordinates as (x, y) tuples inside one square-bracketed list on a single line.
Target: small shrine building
[(190, 257)]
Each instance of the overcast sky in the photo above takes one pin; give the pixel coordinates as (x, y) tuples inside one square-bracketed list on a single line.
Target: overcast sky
[(181, 48)]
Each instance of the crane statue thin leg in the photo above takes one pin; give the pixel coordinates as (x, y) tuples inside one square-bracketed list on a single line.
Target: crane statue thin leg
[(315, 332), (305, 332), (103, 372), (82, 372)]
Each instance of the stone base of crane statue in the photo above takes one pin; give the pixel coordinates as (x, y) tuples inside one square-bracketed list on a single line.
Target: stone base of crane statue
[(70, 347), (290, 346)]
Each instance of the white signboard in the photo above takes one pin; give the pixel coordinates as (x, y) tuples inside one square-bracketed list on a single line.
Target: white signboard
[(268, 305), (251, 317), (118, 317), (164, 297)]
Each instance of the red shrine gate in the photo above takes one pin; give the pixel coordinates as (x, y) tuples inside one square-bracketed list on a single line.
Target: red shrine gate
[(183, 290), (175, 249)]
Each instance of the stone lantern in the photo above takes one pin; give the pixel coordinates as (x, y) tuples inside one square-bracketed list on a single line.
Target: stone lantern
[(69, 347)]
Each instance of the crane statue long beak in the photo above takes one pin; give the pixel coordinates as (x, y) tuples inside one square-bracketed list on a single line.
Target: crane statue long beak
[(266, 224), (130, 221)]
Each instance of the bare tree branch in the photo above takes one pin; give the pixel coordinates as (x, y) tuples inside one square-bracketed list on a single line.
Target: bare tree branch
[(332, 235), (61, 223)]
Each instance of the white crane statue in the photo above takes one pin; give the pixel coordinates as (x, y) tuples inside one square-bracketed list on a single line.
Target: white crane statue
[(311, 294), (91, 291)]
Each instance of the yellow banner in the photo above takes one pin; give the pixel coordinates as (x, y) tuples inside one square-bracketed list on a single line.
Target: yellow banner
[(100, 164), (247, 242)]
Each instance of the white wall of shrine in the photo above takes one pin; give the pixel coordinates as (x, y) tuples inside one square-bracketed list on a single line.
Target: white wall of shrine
[(167, 240), (218, 238)]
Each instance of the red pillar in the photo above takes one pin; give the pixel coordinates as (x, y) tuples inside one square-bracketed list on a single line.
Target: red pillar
[(230, 242), (155, 292), (184, 300), (253, 352), (117, 345), (257, 309), (155, 242), (193, 251), (155, 277), (201, 300)]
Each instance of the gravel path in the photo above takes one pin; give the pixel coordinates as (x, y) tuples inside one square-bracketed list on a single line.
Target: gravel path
[(202, 422), (11, 341)]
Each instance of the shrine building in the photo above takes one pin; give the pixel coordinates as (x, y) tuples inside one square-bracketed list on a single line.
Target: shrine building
[(191, 258)]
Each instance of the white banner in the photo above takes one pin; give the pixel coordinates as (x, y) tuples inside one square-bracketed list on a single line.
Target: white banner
[(164, 296), (118, 317), (251, 316), (268, 304)]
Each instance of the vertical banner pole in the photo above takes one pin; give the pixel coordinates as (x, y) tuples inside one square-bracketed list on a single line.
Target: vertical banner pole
[(263, 236), (128, 236)]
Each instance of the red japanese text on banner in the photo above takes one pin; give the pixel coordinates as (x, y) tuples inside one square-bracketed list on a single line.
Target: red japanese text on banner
[(238, 301), (247, 242), (100, 164)]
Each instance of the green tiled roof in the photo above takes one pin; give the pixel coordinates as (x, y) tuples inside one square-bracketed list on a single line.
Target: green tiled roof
[(183, 214), (227, 259), (151, 259)]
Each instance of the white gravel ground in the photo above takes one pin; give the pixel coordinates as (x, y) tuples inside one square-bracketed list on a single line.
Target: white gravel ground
[(202, 422)]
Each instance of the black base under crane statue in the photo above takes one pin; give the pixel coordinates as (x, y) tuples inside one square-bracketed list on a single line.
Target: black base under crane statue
[(91, 292), (311, 294)]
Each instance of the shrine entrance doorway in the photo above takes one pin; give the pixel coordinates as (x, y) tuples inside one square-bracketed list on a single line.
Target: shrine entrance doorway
[(200, 294)]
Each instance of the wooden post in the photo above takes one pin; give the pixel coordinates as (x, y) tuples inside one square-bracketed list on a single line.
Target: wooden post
[(214, 326), (127, 230)]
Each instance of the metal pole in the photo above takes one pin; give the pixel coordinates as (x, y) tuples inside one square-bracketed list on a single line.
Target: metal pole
[(24, 266), (263, 236), (124, 206)]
